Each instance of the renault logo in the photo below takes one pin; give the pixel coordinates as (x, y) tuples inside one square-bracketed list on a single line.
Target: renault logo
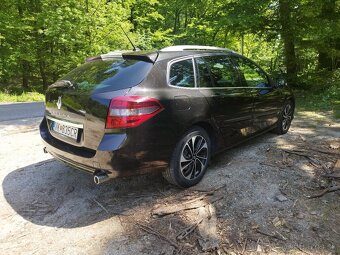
[(59, 103)]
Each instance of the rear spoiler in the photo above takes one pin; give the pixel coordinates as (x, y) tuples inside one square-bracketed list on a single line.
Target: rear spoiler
[(150, 57), (143, 56)]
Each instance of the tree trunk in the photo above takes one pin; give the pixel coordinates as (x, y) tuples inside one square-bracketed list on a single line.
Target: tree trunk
[(132, 18), (287, 36), (242, 44), (325, 60), (176, 24), (43, 75), (25, 73), (186, 19), (24, 63)]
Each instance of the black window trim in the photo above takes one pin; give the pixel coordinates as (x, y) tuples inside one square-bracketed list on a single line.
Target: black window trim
[(232, 59), (173, 61)]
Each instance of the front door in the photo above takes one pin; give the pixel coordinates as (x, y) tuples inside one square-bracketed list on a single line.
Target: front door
[(267, 99)]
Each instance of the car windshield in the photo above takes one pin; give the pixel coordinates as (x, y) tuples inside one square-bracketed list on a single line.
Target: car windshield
[(108, 75)]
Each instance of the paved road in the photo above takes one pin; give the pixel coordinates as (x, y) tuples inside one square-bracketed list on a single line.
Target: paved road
[(21, 111)]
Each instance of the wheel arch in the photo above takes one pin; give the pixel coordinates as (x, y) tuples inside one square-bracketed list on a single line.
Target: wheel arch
[(212, 132)]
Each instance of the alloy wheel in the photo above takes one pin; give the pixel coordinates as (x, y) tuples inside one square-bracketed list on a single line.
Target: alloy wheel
[(194, 157), (287, 117)]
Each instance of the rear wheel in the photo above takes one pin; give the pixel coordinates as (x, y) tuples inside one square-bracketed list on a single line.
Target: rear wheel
[(285, 118), (190, 158)]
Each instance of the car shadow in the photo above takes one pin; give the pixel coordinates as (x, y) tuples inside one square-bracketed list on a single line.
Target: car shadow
[(52, 194)]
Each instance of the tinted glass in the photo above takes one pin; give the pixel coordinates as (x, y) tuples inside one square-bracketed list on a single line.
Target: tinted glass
[(182, 74), (108, 75), (222, 71), (253, 75), (204, 77)]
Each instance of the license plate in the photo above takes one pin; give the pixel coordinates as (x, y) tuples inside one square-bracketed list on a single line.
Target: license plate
[(65, 130)]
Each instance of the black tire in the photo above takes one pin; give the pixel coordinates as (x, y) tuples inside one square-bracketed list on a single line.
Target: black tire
[(187, 168), (285, 118)]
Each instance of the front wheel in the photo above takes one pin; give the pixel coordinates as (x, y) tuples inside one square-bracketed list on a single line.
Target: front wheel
[(190, 158), (285, 118)]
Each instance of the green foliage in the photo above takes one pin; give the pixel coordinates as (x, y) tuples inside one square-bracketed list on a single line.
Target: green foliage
[(41, 40), (323, 95), (23, 97)]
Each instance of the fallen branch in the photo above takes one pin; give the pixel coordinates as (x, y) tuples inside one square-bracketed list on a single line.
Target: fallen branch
[(299, 153), (326, 151), (311, 159), (100, 205), (284, 158), (244, 246), (209, 191), (333, 175), (193, 204), (154, 232), (314, 164), (270, 235), (297, 247), (268, 164), (327, 190), (337, 166), (196, 199), (187, 231)]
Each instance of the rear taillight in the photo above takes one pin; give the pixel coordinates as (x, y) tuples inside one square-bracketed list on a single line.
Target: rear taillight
[(131, 111)]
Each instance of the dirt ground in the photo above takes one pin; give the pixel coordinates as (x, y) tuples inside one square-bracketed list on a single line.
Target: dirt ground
[(256, 195)]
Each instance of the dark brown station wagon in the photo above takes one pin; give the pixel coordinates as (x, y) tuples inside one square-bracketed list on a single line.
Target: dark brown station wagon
[(129, 113)]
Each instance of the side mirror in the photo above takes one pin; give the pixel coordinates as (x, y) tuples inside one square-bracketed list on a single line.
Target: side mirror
[(280, 82), (279, 78)]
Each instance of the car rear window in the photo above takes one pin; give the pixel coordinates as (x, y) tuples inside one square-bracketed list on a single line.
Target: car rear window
[(108, 75)]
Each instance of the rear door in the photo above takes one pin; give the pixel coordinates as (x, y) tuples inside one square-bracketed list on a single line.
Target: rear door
[(231, 104), (267, 99)]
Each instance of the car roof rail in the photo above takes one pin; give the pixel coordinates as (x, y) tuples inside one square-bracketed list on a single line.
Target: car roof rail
[(193, 47)]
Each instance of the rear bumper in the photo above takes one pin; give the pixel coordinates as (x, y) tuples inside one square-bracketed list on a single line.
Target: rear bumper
[(115, 156)]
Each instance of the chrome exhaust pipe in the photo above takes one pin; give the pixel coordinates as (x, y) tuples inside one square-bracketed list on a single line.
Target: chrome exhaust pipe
[(100, 177)]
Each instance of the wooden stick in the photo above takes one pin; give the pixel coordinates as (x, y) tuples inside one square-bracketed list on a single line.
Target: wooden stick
[(325, 151), (194, 204), (267, 164), (209, 191), (101, 206), (187, 231), (154, 232), (270, 235), (333, 175), (309, 157), (298, 153), (297, 247), (327, 190), (244, 246)]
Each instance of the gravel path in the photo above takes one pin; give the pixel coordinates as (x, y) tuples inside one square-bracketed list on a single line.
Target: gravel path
[(49, 208)]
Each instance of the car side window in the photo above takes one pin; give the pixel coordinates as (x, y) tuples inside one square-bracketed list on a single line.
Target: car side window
[(182, 74), (204, 77), (253, 75), (221, 71)]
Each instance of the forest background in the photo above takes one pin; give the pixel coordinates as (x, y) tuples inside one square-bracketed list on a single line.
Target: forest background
[(40, 40)]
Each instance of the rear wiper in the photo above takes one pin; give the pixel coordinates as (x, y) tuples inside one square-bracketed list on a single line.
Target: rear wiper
[(62, 84)]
